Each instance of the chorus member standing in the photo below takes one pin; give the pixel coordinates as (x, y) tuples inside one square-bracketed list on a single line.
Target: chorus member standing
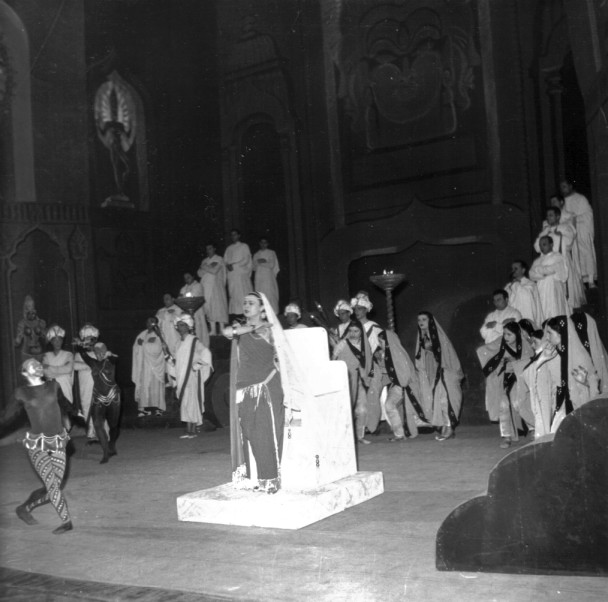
[(293, 313), (439, 375), (193, 288), (503, 362), (550, 273), (362, 305), (58, 364), (148, 370), (523, 294), (343, 311), (45, 443), (578, 204), (403, 408), (264, 380), (213, 278), (502, 314), (554, 389), (566, 217), (166, 322), (354, 350), (191, 367), (266, 266), (238, 263), (105, 404), (88, 336), (564, 236)]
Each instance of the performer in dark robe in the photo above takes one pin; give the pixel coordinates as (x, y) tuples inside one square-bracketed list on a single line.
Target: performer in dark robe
[(105, 405), (264, 380), (45, 443)]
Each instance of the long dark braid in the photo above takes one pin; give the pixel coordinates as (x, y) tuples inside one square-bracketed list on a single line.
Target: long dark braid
[(559, 324)]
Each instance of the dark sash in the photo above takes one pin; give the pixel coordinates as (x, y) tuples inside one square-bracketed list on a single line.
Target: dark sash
[(580, 323), (188, 370)]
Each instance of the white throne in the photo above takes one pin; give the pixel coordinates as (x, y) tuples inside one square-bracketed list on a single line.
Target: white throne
[(318, 467)]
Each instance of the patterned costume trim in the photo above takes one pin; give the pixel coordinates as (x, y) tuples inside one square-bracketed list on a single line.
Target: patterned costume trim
[(112, 397), (43, 443)]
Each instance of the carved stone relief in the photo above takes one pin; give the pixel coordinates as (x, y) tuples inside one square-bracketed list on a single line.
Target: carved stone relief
[(406, 72)]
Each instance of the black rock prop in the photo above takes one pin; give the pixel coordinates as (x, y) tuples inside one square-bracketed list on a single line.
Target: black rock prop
[(546, 509)]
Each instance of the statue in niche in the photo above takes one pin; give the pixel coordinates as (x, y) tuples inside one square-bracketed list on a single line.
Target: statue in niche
[(31, 332), (405, 74), (116, 122)]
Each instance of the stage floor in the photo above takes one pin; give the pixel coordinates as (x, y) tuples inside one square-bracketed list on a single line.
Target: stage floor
[(128, 544)]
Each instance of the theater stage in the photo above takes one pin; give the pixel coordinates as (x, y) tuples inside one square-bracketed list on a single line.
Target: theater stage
[(128, 544)]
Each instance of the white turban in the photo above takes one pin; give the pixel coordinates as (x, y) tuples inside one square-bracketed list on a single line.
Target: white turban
[(363, 300), (88, 330), (55, 331), (292, 308), (186, 319), (342, 305)]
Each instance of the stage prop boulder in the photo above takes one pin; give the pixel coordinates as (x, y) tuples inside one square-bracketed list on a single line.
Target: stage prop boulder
[(319, 474), (546, 509)]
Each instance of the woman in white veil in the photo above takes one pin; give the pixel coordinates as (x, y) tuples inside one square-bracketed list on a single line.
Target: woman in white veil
[(264, 380)]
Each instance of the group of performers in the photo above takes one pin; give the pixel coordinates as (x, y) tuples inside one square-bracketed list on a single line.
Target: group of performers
[(225, 280), (542, 356), (426, 392), (534, 377), (48, 401)]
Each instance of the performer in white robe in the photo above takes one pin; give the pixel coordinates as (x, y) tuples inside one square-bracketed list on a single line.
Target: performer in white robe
[(213, 278), (193, 288), (238, 263), (166, 322), (503, 313), (523, 294), (579, 205), (503, 362), (551, 377), (403, 398), (343, 311), (362, 305), (569, 219), (564, 236), (353, 349), (59, 364), (550, 273), (148, 370), (266, 266), (190, 368), (88, 336), (589, 336), (439, 375)]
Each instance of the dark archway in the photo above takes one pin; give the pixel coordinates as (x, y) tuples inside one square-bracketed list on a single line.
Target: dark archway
[(263, 196), (576, 150)]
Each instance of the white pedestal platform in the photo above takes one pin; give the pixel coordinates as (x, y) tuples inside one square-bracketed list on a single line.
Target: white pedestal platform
[(227, 505)]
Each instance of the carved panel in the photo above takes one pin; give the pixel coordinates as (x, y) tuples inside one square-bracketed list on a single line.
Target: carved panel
[(406, 71), (48, 213)]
